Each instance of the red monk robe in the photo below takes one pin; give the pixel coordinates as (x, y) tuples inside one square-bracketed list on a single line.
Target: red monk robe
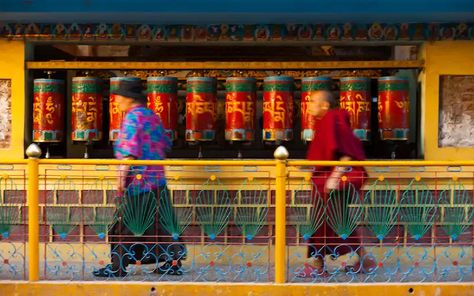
[(334, 139)]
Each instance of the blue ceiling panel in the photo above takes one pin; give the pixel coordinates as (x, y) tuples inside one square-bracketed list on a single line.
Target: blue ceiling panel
[(233, 11)]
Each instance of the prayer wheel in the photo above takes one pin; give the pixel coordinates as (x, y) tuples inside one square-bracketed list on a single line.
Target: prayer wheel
[(308, 119), (393, 108), (240, 105), (201, 109), (162, 93), (86, 109), (48, 110), (116, 116), (278, 108), (355, 99)]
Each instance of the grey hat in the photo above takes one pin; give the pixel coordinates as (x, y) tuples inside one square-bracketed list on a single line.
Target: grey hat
[(130, 89)]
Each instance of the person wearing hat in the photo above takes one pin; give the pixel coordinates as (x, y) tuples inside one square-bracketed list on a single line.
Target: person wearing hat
[(142, 137)]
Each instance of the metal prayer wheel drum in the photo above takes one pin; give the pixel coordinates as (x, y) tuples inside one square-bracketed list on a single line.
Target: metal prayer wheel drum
[(48, 110), (240, 107), (201, 109), (162, 93), (393, 108), (355, 99), (115, 115), (278, 105), (86, 109), (308, 119)]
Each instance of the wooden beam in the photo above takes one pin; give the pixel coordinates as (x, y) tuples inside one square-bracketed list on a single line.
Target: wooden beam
[(231, 65)]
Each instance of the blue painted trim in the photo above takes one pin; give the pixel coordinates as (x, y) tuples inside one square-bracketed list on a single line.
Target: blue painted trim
[(261, 6), (236, 11)]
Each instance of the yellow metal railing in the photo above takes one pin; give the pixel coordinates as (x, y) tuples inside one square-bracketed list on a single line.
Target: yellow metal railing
[(280, 165)]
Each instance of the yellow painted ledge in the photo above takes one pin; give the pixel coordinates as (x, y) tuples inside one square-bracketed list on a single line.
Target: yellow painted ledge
[(11, 288)]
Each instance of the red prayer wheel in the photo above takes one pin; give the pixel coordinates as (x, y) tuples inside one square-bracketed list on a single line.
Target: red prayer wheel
[(48, 110), (201, 109), (162, 99), (86, 109), (115, 115), (240, 105), (308, 119), (393, 108), (278, 107), (355, 99)]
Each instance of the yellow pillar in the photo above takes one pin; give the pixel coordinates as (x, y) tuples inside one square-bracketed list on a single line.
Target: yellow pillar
[(33, 152), (281, 155), (12, 66)]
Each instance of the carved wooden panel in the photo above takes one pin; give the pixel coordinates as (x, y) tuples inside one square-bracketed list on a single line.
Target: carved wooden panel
[(456, 109), (5, 113)]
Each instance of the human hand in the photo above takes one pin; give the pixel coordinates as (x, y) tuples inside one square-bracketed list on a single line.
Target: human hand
[(120, 185), (121, 180), (332, 183)]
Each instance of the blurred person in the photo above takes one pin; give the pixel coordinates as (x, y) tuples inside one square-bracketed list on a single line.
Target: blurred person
[(334, 140), (141, 137)]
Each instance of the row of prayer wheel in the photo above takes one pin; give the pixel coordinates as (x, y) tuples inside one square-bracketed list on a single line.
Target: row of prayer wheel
[(240, 107)]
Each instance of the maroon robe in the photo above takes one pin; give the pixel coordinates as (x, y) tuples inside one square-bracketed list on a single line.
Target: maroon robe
[(334, 139)]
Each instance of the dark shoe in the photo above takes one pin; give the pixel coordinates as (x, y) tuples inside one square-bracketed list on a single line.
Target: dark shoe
[(170, 267), (108, 271)]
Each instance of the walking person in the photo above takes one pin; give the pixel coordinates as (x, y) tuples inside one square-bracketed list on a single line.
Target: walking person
[(141, 137), (334, 140)]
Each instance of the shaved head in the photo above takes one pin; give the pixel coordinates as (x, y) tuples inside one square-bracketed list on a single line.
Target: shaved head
[(325, 96), (321, 101)]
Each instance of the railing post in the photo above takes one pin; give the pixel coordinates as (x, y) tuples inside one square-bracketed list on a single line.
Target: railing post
[(33, 152), (281, 156)]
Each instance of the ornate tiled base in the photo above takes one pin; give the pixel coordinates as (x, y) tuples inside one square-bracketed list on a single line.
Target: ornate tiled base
[(394, 134), (204, 135), (114, 134), (362, 134), (307, 135), (239, 135), (173, 135), (87, 135), (278, 135), (47, 136)]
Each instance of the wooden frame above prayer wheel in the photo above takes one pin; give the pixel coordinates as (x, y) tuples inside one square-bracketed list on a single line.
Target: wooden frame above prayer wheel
[(231, 65)]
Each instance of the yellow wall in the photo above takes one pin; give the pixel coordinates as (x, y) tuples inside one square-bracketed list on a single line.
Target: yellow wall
[(442, 58), (12, 66)]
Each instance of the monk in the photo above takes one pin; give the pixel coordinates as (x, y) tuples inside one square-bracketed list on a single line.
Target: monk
[(334, 140)]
